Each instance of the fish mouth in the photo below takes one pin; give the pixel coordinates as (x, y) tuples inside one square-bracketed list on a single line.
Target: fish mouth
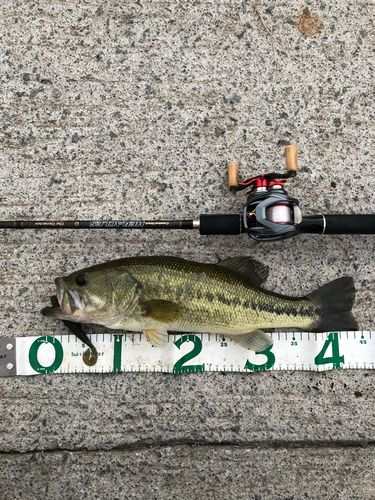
[(70, 302)]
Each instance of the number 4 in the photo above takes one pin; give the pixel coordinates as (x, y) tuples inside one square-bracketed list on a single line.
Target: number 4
[(336, 359)]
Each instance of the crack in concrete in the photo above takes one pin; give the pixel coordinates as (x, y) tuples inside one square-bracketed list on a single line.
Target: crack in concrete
[(259, 445)]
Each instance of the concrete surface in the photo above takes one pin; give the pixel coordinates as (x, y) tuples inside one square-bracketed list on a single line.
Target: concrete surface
[(125, 110)]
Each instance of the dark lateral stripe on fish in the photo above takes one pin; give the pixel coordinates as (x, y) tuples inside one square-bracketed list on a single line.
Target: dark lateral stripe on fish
[(289, 311), (235, 301), (300, 310), (223, 300)]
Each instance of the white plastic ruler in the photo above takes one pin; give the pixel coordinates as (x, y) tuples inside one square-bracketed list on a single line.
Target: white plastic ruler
[(124, 352)]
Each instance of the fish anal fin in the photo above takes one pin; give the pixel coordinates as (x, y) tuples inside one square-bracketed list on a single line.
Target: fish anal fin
[(164, 311), (254, 271), (156, 337), (255, 340)]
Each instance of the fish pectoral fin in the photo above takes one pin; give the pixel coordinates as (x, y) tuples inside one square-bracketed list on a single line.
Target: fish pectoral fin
[(156, 337), (254, 271), (164, 311), (255, 340)]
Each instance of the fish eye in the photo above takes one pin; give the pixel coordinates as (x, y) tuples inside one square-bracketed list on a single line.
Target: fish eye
[(81, 280)]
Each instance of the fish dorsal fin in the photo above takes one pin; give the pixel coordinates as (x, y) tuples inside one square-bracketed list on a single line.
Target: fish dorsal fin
[(156, 337), (164, 311), (255, 341), (250, 268)]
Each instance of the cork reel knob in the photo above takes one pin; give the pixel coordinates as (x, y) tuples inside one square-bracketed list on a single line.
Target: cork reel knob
[(291, 158), (233, 174)]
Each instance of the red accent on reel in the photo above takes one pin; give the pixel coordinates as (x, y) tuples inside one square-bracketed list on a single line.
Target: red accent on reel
[(277, 183)]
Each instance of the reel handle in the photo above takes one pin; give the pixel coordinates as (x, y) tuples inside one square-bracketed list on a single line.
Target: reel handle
[(291, 153)]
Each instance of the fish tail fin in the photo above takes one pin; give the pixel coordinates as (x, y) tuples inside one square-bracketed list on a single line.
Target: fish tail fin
[(334, 302)]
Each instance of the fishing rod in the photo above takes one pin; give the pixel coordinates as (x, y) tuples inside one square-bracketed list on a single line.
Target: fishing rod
[(269, 213)]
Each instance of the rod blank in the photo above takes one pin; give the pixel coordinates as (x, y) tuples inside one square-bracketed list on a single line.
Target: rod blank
[(207, 224), (92, 224)]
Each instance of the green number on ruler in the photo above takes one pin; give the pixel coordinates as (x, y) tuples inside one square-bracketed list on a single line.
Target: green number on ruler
[(223, 343), (336, 359), (265, 366), (178, 367), (33, 354)]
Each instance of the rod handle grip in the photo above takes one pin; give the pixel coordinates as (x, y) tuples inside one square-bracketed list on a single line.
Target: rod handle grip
[(291, 158), (233, 174), (350, 224), (220, 224)]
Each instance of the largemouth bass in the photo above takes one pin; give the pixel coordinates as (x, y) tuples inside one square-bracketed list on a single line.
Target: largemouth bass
[(155, 295)]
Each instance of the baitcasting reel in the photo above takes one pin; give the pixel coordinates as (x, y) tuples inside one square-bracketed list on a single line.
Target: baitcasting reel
[(269, 213)]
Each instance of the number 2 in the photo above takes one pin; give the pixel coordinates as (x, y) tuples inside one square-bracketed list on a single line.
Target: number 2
[(178, 367)]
